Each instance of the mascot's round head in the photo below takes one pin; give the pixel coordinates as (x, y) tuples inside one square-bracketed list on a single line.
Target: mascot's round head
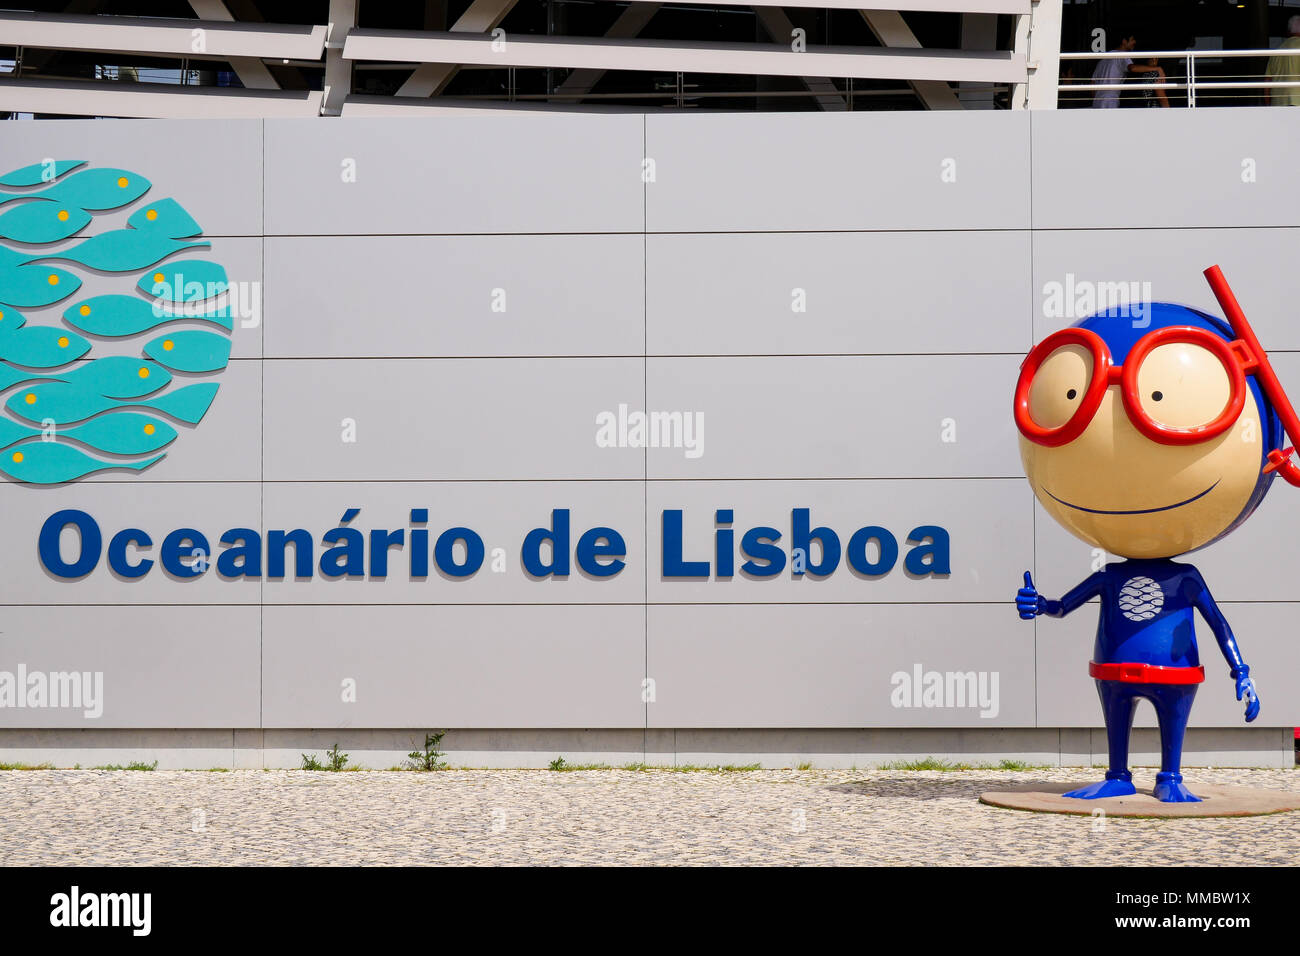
[(1144, 436)]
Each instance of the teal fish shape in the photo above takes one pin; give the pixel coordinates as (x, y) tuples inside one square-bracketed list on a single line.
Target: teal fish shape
[(122, 250), (123, 433), (64, 403), (35, 285), (42, 220), (37, 346), (118, 433), (43, 172), (51, 462), (190, 350), (118, 376), (185, 280), (96, 189), (166, 217), (121, 315)]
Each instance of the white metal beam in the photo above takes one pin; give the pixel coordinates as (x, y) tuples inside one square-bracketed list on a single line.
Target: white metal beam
[(482, 16), (366, 105), (165, 36), (251, 71), (779, 28), (999, 66), (629, 24), (1020, 44), (1044, 58), (338, 70), (892, 31), (153, 100)]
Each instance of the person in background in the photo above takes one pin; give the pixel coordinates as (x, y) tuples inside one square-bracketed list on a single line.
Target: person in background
[(1285, 69), (1112, 70), (1149, 71)]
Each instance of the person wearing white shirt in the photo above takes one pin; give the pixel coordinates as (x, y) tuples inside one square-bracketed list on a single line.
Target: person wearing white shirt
[(1112, 70)]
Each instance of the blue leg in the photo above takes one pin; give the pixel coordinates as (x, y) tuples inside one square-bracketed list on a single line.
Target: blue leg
[(1173, 705), (1118, 705)]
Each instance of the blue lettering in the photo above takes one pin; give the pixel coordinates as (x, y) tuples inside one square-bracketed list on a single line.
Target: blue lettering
[(183, 542), (887, 543), (446, 559), (673, 565), (936, 551), (558, 535), (759, 545), (116, 553), (590, 548), (48, 543)]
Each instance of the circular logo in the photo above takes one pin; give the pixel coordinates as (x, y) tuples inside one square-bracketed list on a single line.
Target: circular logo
[(1140, 599), (104, 381)]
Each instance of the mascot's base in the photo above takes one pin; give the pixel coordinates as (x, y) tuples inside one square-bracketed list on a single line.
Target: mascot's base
[(1216, 801)]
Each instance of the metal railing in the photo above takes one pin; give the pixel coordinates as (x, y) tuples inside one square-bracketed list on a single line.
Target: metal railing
[(1192, 83)]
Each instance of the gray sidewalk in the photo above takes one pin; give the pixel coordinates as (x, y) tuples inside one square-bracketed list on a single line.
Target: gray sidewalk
[(604, 817)]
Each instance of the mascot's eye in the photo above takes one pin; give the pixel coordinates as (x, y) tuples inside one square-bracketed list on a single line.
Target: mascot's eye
[(1156, 396), (1071, 393)]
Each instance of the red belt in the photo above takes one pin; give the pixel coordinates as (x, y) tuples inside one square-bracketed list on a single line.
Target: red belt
[(1146, 673)]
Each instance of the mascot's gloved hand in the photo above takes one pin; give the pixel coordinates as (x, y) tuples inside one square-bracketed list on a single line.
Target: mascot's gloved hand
[(1246, 689), (1029, 602)]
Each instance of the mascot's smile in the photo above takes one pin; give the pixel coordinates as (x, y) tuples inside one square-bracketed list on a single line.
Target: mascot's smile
[(1140, 511)]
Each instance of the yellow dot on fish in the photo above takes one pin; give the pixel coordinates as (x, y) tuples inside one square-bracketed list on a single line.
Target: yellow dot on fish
[(18, 456), (63, 215), (121, 181), (158, 277), (144, 372), (169, 345), (29, 398), (149, 429), (54, 280), (63, 341), (84, 310), (151, 215)]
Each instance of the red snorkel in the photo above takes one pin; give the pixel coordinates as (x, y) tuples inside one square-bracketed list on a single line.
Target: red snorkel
[(1279, 460)]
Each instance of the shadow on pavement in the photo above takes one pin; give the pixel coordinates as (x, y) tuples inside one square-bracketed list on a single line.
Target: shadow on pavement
[(934, 788)]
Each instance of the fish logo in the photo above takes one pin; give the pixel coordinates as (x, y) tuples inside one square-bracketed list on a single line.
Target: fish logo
[(1141, 599), (67, 411)]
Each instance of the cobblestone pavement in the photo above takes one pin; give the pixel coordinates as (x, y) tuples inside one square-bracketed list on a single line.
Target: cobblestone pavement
[(253, 817)]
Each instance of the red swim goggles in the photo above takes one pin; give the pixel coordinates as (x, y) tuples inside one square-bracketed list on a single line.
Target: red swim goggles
[(1241, 357)]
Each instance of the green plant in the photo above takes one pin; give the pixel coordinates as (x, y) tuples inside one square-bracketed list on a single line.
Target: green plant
[(559, 764), (309, 762), (337, 761), (428, 758), (929, 763), (137, 765), (26, 766), (806, 765), (568, 767), (716, 768)]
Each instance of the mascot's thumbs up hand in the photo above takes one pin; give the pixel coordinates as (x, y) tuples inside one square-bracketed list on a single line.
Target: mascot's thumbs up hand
[(1029, 602)]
